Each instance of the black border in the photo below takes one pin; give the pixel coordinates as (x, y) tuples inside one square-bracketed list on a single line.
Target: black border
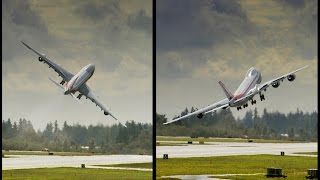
[(154, 89)]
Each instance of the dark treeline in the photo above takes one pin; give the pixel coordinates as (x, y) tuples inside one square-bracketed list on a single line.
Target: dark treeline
[(270, 125), (116, 139)]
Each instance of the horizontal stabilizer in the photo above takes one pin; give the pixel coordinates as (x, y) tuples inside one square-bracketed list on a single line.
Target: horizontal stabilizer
[(71, 94), (59, 85)]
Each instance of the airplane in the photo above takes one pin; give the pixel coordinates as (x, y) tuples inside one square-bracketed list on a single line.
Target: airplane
[(74, 83), (246, 91)]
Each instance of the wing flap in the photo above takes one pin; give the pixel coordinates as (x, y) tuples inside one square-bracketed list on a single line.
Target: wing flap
[(85, 90), (218, 105), (66, 75)]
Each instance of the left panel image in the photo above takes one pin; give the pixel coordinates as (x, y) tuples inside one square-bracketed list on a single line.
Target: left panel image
[(77, 89)]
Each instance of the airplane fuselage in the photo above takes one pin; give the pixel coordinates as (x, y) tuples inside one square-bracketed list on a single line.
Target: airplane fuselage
[(79, 79), (250, 82)]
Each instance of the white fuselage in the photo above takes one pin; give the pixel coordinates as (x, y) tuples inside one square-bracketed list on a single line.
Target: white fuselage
[(252, 78), (79, 79)]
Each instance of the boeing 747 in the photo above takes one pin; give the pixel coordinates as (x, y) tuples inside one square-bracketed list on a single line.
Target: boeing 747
[(249, 87), (74, 83)]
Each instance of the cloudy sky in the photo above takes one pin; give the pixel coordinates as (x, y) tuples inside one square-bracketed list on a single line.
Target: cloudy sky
[(201, 42), (116, 36)]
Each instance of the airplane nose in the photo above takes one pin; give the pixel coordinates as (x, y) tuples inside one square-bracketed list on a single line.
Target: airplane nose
[(90, 68)]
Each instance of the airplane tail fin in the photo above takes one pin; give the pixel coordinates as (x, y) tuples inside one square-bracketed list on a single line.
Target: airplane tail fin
[(226, 91)]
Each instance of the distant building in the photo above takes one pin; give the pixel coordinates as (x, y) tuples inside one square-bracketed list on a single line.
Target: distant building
[(45, 149), (84, 147)]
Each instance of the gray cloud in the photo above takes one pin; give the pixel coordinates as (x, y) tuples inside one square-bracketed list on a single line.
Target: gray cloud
[(94, 10), (201, 42), (113, 35), (198, 24), (141, 21)]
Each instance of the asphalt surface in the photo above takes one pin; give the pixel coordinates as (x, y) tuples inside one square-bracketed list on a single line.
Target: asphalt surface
[(31, 161), (233, 148)]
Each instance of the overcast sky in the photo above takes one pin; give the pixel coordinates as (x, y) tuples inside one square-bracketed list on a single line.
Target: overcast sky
[(201, 42), (116, 36)]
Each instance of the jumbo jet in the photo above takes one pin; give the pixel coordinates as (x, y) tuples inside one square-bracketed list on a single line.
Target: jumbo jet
[(249, 87), (74, 83)]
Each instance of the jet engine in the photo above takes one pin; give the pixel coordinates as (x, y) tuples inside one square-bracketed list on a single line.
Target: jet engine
[(106, 113), (40, 59), (291, 77), (200, 115), (275, 84)]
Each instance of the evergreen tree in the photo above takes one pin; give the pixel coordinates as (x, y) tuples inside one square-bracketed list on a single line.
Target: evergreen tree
[(56, 128)]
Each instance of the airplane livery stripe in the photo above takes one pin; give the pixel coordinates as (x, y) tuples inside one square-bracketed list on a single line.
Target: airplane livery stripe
[(238, 96)]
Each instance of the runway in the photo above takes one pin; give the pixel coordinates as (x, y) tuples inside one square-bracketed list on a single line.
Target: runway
[(30, 161), (234, 148)]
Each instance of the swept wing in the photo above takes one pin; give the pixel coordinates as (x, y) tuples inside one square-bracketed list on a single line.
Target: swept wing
[(66, 75), (213, 107)]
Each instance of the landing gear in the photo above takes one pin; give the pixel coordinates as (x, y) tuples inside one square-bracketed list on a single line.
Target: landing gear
[(62, 82), (262, 97), (79, 96), (245, 105), (238, 108), (253, 102), (200, 115)]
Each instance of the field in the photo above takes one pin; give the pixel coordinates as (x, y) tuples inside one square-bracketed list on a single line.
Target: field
[(308, 153), (73, 174), (44, 153), (186, 139), (294, 167), (131, 165)]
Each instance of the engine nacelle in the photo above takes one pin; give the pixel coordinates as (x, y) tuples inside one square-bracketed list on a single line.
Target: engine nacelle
[(40, 59), (106, 113), (291, 77), (276, 84), (200, 115)]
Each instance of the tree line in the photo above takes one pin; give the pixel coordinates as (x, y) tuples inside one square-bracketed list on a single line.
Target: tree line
[(136, 138), (270, 125)]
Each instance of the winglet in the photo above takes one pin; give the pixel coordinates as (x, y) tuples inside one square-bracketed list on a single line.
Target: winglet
[(123, 124)]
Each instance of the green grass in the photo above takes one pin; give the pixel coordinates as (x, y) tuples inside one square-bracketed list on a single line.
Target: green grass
[(169, 138), (171, 144), (295, 167), (131, 165), (73, 174), (43, 153), (309, 153)]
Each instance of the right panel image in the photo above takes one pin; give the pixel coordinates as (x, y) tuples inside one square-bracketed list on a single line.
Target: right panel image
[(236, 89)]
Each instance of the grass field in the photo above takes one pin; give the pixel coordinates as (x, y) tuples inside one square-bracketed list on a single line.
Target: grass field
[(294, 167), (171, 144), (131, 165), (309, 153), (186, 139), (46, 153), (73, 174)]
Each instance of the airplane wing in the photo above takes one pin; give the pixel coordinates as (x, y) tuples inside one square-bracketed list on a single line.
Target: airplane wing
[(265, 85), (57, 68), (213, 107), (85, 90)]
